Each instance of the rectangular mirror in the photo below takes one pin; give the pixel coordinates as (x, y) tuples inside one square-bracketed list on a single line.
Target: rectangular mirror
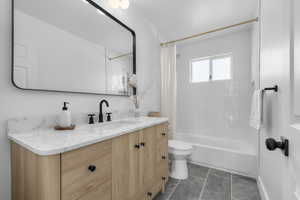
[(71, 46)]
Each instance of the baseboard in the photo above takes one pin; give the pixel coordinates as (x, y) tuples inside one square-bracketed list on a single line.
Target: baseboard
[(262, 190), (222, 169)]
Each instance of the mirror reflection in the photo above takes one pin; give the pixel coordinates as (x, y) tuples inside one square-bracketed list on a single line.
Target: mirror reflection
[(77, 48)]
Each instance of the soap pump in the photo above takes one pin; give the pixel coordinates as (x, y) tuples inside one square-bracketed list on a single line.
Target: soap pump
[(65, 116)]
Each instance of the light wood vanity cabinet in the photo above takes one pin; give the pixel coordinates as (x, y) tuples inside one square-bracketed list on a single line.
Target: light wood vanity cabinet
[(86, 173), (125, 168), (133, 166), (34, 177), (140, 166), (162, 156)]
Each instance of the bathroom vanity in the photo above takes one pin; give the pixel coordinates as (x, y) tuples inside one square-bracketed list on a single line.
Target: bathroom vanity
[(122, 160)]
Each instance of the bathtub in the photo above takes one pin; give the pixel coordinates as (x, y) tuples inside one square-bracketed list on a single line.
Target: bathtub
[(233, 156)]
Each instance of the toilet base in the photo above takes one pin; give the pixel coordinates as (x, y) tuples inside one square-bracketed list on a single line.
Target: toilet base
[(179, 169)]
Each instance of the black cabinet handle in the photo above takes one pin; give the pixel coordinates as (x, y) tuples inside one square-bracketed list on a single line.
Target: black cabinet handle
[(137, 146), (163, 178), (149, 194), (163, 134), (163, 157), (92, 168), (143, 144)]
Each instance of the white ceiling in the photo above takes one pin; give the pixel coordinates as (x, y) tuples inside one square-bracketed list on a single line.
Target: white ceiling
[(178, 18)]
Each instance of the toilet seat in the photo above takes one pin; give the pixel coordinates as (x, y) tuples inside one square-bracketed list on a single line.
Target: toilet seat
[(179, 145)]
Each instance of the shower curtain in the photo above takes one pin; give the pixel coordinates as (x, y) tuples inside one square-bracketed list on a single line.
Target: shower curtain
[(168, 85)]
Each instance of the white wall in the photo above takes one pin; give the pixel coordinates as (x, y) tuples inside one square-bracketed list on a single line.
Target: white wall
[(17, 103), (217, 109)]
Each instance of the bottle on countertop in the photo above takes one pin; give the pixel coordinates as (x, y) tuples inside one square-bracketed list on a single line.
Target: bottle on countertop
[(65, 116)]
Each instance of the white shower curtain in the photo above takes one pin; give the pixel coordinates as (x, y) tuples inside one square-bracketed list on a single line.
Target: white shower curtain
[(168, 85)]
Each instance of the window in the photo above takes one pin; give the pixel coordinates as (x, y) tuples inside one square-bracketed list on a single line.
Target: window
[(200, 71), (210, 69)]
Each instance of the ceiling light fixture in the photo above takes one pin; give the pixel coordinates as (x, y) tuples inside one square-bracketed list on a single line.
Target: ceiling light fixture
[(124, 4), (114, 3)]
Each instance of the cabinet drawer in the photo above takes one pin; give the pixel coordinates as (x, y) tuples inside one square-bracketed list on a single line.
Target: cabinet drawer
[(86, 173), (162, 131)]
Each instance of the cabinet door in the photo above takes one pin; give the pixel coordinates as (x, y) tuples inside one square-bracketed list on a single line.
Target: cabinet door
[(162, 144), (148, 155), (34, 177), (125, 167), (162, 153)]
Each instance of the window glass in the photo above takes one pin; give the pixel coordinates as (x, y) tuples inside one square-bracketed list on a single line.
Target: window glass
[(221, 68), (200, 70)]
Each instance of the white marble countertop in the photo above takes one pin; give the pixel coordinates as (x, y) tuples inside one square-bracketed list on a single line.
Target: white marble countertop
[(50, 142)]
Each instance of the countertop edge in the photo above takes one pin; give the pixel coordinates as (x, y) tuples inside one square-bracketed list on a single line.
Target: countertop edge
[(84, 144)]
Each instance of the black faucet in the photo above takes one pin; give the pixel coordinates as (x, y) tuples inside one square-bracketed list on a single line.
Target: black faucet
[(100, 107)]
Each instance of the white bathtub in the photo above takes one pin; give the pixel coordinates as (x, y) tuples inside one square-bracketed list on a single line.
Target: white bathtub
[(233, 156)]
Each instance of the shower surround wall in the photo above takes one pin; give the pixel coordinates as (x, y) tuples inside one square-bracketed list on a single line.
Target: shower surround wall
[(217, 110)]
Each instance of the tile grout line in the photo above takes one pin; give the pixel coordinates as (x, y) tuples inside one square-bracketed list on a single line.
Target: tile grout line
[(173, 191), (219, 176), (204, 185), (231, 187), (197, 177)]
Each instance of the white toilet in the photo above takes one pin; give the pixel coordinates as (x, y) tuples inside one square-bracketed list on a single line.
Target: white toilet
[(179, 152)]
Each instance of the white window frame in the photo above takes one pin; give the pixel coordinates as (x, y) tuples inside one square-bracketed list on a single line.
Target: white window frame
[(210, 58)]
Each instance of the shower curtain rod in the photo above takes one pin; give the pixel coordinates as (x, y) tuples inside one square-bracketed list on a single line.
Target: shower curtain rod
[(120, 56), (211, 31)]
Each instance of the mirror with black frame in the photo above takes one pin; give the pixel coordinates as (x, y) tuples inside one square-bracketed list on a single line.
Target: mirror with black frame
[(71, 46)]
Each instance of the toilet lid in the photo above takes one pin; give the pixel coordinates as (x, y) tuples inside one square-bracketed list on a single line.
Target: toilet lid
[(176, 144)]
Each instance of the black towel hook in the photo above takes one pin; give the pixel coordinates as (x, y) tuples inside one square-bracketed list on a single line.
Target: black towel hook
[(275, 88)]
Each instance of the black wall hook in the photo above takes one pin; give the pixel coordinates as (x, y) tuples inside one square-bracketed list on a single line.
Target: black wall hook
[(275, 88)]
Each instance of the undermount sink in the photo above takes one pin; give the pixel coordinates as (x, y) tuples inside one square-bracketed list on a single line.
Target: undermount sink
[(116, 124), (106, 126)]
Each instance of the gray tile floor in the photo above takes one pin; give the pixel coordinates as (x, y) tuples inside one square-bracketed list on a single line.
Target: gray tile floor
[(210, 184)]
